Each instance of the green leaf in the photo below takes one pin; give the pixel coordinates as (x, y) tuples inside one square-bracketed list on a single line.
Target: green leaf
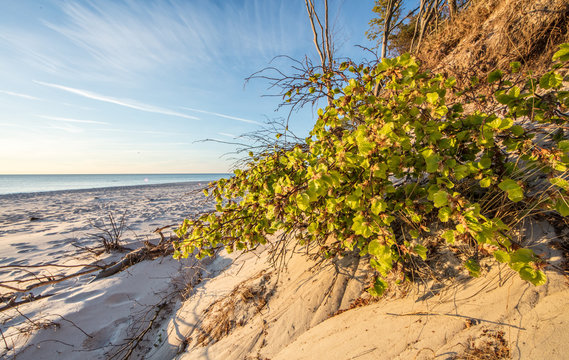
[(421, 251), (502, 256), (379, 250), (460, 229), (494, 124), (432, 160), (441, 111), (303, 201), (562, 54), (562, 183), (562, 206), (364, 145), (378, 288), (461, 171), (382, 260), (473, 267), (353, 201), (312, 228), (527, 273), (444, 214), (450, 82), (378, 206), (515, 66), (551, 80), (563, 145), (485, 162), (449, 236), (506, 123), (517, 130), (485, 182), (539, 278), (393, 162), (515, 192), (440, 198), (522, 256), (381, 171), (432, 97), (494, 76)]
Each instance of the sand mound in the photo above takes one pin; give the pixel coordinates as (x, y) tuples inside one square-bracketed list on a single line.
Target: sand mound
[(247, 311)]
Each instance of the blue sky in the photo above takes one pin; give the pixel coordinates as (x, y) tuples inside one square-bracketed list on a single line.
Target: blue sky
[(125, 86)]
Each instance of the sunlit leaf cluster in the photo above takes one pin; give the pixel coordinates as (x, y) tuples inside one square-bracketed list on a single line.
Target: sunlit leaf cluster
[(377, 173)]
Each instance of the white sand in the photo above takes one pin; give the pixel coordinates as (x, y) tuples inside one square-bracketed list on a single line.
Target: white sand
[(241, 308), (495, 311), (81, 319)]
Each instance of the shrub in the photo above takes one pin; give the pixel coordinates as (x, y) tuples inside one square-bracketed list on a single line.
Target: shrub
[(378, 172)]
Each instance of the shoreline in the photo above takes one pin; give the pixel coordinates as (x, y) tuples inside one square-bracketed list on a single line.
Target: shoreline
[(22, 195)]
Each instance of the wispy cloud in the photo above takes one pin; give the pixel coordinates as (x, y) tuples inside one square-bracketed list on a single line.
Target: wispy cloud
[(128, 36), (148, 132), (223, 116), (137, 36), (57, 118), (67, 128), (31, 48), (24, 96), (13, 126), (122, 102), (227, 134)]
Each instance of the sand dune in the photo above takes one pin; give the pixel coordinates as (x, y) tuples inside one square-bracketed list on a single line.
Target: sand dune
[(239, 307), (298, 314)]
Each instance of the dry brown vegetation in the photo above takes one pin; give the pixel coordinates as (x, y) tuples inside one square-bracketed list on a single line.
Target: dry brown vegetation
[(242, 304), (489, 345), (490, 34)]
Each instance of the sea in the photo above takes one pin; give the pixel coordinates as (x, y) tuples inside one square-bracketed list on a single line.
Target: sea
[(15, 184)]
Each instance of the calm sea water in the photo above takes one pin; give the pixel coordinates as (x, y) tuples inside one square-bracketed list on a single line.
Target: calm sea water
[(11, 184)]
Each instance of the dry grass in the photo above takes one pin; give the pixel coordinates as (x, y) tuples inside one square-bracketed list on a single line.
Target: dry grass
[(492, 33), (245, 301), (490, 345)]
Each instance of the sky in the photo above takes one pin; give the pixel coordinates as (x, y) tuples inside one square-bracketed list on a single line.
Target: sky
[(132, 86)]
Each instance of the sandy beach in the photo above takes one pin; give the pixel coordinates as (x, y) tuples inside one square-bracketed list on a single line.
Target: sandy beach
[(239, 307), (46, 236)]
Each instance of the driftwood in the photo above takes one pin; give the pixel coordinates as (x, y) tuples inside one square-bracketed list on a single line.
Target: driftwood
[(149, 251), (24, 301), (159, 232), (53, 280)]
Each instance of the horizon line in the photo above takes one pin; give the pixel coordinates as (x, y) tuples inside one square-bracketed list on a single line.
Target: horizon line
[(165, 173)]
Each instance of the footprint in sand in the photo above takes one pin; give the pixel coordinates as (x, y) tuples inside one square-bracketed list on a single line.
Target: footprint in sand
[(118, 299), (105, 335)]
